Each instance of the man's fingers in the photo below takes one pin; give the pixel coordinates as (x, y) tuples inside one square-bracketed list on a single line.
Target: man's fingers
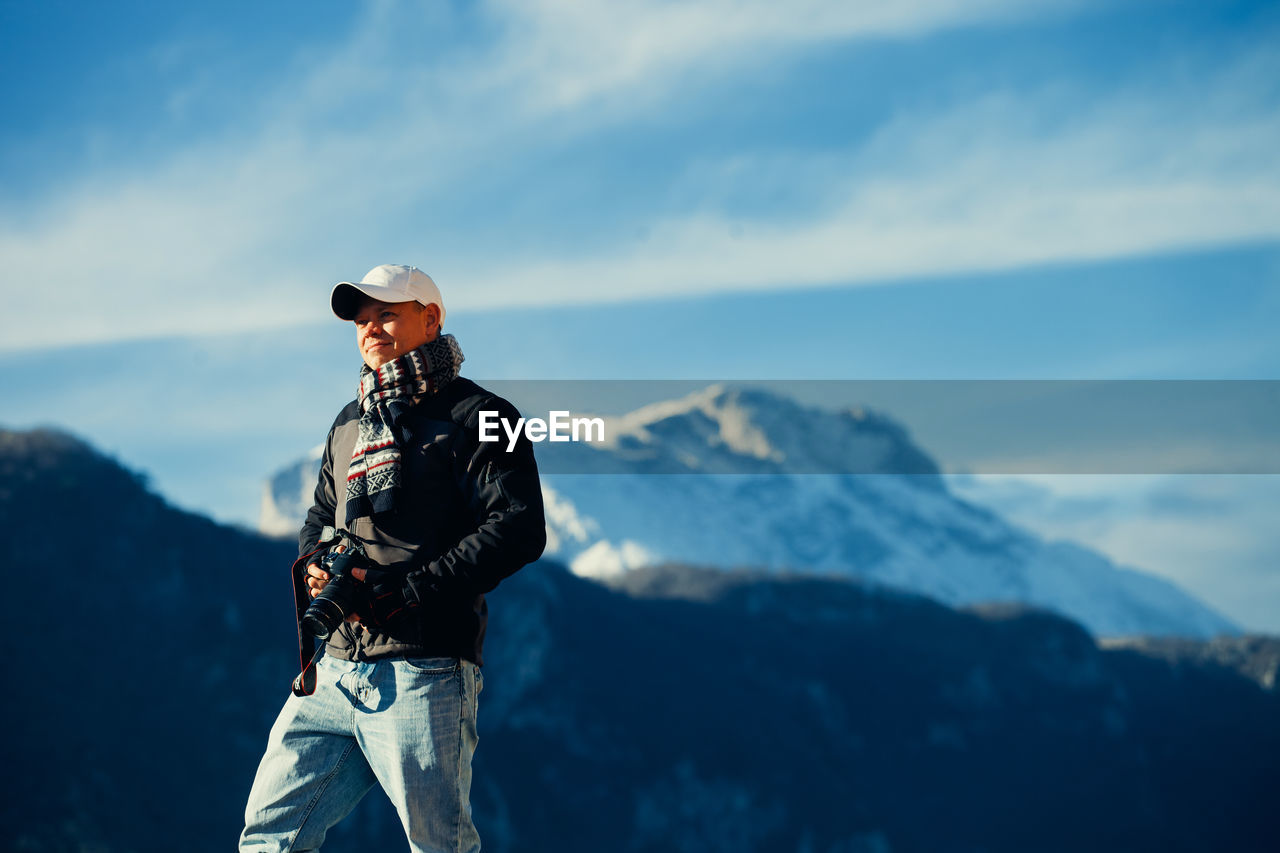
[(317, 577), (359, 573), (315, 583)]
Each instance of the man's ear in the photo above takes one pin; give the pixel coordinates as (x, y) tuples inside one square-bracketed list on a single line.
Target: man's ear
[(432, 314)]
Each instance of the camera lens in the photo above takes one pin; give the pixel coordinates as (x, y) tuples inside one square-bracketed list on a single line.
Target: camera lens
[(337, 599), (322, 617)]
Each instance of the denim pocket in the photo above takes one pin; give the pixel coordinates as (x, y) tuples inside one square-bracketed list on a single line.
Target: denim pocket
[(433, 665)]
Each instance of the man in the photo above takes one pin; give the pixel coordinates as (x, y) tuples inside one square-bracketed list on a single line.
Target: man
[(442, 518)]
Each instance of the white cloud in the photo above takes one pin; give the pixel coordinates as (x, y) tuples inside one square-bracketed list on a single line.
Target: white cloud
[(970, 190), (327, 169), (568, 53)]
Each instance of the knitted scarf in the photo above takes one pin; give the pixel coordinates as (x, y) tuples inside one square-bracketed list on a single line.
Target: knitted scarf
[(373, 479)]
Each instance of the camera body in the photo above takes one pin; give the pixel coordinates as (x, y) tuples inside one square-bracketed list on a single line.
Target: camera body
[(340, 595)]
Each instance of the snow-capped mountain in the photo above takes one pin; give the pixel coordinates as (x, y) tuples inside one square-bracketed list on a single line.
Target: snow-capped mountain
[(725, 477), (287, 495)]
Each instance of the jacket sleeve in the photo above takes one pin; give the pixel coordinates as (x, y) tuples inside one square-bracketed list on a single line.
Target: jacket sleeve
[(323, 504), (503, 496)]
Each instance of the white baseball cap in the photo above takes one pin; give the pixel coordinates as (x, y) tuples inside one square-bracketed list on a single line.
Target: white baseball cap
[(386, 283)]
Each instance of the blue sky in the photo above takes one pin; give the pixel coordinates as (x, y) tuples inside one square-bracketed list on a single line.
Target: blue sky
[(719, 189)]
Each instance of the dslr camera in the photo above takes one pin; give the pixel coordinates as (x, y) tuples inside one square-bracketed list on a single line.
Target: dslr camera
[(341, 594)]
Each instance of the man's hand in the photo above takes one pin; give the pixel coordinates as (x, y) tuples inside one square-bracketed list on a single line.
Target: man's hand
[(317, 578), (389, 602)]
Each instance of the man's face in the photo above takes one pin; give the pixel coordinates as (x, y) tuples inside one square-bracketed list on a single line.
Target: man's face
[(388, 330)]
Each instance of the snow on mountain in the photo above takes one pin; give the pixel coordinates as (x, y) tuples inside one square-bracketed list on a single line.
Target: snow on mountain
[(730, 430), (728, 477), (287, 494)]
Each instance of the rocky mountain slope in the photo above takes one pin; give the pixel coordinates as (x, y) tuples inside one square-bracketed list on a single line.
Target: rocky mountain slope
[(675, 709)]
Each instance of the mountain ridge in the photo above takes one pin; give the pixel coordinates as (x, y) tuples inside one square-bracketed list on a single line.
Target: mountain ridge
[(763, 713)]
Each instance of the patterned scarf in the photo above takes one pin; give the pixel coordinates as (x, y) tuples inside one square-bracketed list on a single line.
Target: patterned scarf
[(373, 480)]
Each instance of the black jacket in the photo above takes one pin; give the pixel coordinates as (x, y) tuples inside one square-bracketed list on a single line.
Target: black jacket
[(469, 514)]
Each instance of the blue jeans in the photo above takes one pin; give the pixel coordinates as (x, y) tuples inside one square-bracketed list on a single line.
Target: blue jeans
[(406, 724)]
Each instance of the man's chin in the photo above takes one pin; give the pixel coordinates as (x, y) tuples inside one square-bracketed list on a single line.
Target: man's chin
[(378, 357)]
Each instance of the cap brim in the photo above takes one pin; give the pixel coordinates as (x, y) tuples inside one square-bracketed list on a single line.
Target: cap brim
[(347, 296)]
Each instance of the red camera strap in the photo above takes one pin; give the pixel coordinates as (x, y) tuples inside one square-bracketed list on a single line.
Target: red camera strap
[(305, 683)]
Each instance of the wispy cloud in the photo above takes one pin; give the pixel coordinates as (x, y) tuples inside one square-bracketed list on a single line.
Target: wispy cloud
[(333, 167), (566, 55), (976, 188)]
